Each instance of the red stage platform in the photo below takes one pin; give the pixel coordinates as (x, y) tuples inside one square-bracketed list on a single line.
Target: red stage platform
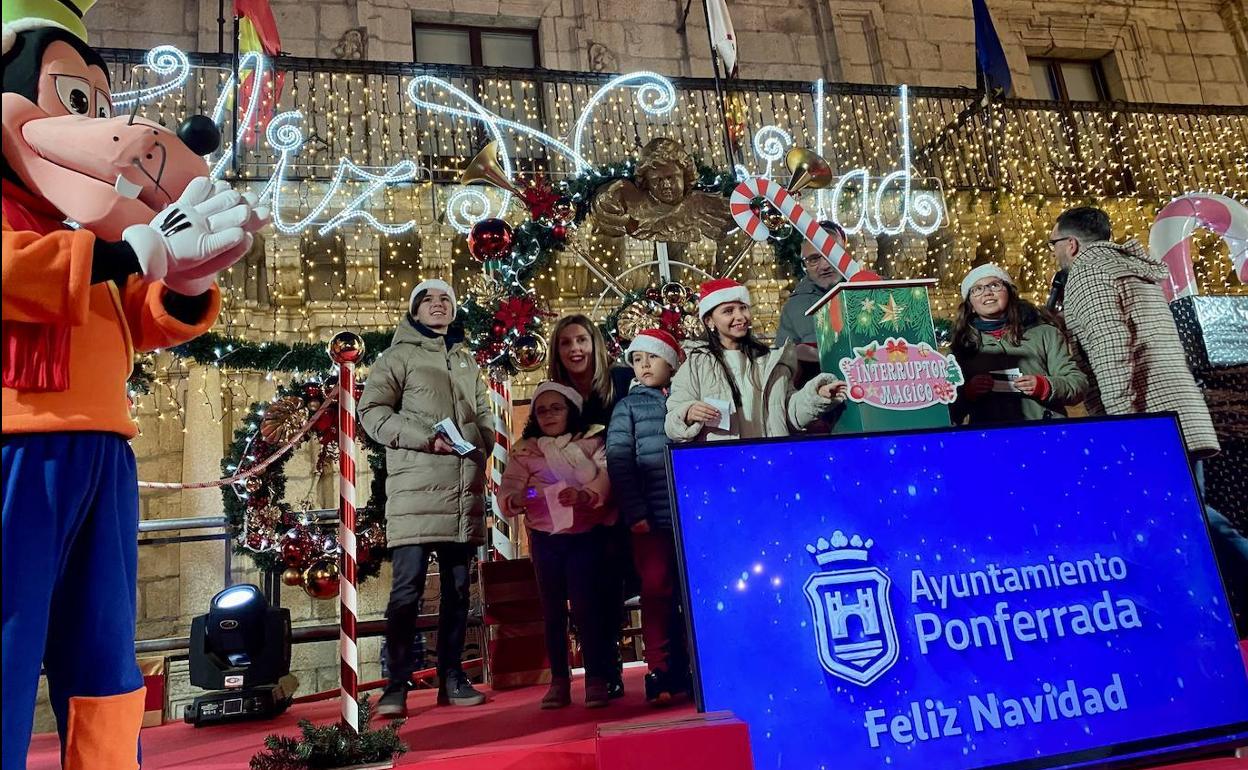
[(509, 732)]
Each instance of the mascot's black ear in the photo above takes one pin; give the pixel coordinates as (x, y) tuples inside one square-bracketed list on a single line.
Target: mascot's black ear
[(200, 135)]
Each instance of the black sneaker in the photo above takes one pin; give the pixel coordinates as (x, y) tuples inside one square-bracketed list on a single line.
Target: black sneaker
[(456, 690), (615, 688), (393, 704), (658, 690)]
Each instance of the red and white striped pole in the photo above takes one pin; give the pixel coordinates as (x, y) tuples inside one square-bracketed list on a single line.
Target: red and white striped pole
[(346, 349), (500, 407)]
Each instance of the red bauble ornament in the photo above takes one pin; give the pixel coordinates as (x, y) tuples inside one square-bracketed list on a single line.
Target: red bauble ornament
[(490, 239), (559, 231), (499, 328), (313, 391), (857, 392)]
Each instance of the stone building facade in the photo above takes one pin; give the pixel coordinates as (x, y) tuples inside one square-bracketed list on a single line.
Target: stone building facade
[(1191, 52)]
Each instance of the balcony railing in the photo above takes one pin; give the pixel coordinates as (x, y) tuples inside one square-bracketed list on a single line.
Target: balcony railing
[(362, 111)]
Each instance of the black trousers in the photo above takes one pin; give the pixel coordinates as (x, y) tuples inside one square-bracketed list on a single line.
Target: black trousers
[(410, 565), (571, 569)]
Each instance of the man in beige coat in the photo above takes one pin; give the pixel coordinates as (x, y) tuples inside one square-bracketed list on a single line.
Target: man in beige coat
[(1123, 330), (434, 494)]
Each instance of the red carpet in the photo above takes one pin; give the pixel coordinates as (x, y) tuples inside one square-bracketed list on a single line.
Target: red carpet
[(509, 732)]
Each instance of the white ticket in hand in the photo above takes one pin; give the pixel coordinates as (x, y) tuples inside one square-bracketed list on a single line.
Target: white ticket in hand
[(561, 516), (1003, 380), (448, 429), (725, 413)]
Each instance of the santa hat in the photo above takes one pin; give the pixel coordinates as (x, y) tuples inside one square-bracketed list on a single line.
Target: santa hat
[(984, 271), (656, 342), (432, 283), (718, 291), (25, 15), (550, 386)]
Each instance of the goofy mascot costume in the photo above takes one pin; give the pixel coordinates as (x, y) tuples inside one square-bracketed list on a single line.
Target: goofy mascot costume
[(113, 237)]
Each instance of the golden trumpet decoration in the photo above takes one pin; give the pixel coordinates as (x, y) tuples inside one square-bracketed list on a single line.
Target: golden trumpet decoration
[(484, 167)]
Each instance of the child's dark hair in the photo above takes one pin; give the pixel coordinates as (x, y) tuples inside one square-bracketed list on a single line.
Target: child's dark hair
[(575, 421), (750, 345), (1020, 315)]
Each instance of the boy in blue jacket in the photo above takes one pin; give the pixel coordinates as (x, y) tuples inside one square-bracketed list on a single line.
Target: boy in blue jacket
[(636, 442)]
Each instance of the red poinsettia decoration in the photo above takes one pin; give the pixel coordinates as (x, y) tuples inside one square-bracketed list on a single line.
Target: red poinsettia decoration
[(516, 312), (540, 199), (669, 321)]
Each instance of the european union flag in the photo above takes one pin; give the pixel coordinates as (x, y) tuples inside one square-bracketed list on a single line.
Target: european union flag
[(994, 71)]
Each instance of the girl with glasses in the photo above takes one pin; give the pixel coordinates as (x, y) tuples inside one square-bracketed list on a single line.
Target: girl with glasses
[(1016, 360)]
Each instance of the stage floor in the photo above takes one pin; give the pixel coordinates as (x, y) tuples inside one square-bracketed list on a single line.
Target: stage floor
[(508, 732)]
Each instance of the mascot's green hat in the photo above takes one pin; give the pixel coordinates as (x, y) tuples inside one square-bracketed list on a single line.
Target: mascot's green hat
[(23, 15)]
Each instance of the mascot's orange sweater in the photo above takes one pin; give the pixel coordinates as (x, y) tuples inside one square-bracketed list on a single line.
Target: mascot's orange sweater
[(47, 282)]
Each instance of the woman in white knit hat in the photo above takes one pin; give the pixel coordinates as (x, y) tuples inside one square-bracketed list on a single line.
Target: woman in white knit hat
[(733, 386), (1017, 363)]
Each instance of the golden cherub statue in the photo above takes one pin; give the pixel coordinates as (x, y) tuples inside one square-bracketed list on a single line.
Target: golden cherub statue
[(659, 203)]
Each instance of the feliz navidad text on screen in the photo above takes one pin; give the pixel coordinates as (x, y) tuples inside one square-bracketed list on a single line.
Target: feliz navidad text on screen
[(1004, 629)]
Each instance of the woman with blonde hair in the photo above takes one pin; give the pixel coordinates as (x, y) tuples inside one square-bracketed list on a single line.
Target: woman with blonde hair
[(578, 357)]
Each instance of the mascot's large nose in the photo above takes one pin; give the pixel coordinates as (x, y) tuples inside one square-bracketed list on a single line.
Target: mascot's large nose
[(200, 134)]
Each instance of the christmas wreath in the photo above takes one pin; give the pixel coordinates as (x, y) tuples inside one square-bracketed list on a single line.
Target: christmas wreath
[(264, 526)]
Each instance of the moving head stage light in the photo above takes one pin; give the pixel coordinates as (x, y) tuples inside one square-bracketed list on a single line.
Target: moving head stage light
[(241, 651)]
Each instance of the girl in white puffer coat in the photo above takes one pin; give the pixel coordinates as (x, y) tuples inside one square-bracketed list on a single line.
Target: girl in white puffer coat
[(731, 371)]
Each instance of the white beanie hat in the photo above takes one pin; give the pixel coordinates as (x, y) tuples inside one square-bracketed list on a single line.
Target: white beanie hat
[(433, 283), (550, 386), (988, 270), (657, 342), (717, 291)]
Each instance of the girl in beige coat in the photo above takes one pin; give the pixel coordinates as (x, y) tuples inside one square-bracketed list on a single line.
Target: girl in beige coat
[(732, 374)]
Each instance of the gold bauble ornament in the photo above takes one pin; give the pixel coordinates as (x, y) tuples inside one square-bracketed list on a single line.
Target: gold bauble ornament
[(283, 419), (346, 348), (292, 577), (528, 352), (253, 484), (320, 579), (674, 293)]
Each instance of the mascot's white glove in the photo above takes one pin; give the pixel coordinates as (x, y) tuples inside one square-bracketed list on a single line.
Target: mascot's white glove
[(195, 238)]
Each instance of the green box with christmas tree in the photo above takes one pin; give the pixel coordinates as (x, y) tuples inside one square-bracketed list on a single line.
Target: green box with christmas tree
[(878, 336)]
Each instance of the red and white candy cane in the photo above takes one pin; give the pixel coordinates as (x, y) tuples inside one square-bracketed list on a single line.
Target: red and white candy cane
[(500, 408), (346, 349), (788, 205), (1171, 236)]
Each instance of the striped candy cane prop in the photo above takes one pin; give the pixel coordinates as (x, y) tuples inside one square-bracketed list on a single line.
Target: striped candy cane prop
[(500, 407), (1171, 236), (806, 224), (346, 349)]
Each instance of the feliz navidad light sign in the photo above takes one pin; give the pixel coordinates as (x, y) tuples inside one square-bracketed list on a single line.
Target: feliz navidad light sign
[(890, 204)]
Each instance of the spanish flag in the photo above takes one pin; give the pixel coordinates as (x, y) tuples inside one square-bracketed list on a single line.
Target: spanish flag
[(257, 33)]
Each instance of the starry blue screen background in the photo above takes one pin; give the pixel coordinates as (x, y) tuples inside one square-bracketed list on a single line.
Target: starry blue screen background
[(949, 502)]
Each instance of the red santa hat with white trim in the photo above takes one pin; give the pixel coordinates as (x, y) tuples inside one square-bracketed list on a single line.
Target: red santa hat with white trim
[(656, 342), (718, 291)]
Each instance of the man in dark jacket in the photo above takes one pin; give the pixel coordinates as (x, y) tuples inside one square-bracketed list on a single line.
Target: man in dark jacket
[(820, 276), (637, 464)]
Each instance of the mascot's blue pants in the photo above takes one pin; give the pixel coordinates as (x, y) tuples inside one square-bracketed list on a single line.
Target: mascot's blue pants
[(71, 511)]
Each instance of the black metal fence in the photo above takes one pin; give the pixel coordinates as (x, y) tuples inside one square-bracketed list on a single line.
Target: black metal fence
[(363, 111)]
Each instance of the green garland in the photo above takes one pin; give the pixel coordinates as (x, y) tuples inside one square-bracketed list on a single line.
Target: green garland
[(332, 745)]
